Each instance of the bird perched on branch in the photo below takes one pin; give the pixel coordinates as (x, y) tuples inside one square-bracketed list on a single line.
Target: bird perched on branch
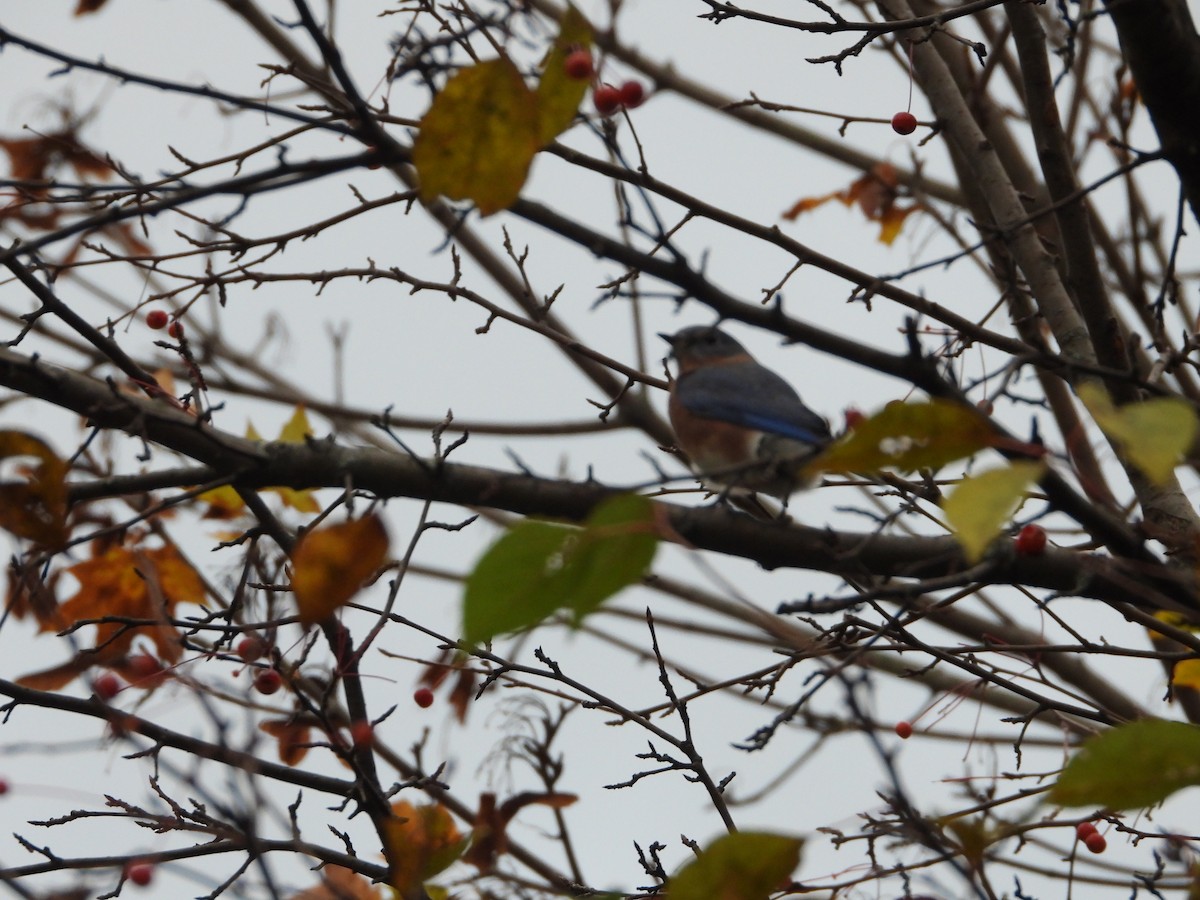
[(741, 425)]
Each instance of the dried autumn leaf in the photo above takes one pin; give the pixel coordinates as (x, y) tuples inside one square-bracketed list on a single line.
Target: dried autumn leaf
[(421, 841), (330, 564), (489, 838), (479, 137), (875, 193), (36, 507), (30, 593), (295, 739), (136, 591), (33, 159), (338, 883), (88, 6), (463, 693)]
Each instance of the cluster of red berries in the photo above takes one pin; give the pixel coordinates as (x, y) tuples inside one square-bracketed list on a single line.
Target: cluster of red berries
[(1091, 838), (158, 319), (607, 98)]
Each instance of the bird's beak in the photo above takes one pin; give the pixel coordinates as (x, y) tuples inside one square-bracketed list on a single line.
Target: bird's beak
[(669, 338)]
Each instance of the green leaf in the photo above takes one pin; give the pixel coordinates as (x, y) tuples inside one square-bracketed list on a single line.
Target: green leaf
[(479, 137), (538, 568), (980, 505), (559, 95), (1154, 435), (742, 866), (908, 436), (1132, 766)]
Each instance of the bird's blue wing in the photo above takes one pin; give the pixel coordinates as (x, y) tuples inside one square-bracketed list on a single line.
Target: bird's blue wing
[(752, 396)]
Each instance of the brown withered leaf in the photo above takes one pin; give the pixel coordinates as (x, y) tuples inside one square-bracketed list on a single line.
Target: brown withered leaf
[(489, 839), (875, 193), (34, 508), (88, 6), (30, 594), (464, 692), (36, 158), (294, 737)]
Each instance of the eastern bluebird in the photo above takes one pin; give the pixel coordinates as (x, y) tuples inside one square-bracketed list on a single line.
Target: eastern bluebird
[(741, 424)]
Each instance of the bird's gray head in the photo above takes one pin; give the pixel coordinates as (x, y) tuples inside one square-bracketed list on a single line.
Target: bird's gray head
[(702, 343)]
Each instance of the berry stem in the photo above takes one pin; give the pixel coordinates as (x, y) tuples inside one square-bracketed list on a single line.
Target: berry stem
[(910, 77)]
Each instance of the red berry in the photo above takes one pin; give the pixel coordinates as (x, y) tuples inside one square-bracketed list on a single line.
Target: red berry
[(423, 697), (106, 686), (144, 670), (632, 94), (3, 786), (1096, 842), (578, 65), (854, 418), (1084, 830), (156, 319), (1031, 541), (361, 733), (140, 873), (606, 99), (267, 681), (175, 329), (904, 730), (251, 648), (904, 123)]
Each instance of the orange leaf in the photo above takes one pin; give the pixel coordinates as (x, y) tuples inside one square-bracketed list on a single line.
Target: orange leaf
[(295, 739), (421, 841), (35, 508), (338, 883), (131, 585), (56, 677), (329, 565), (875, 193)]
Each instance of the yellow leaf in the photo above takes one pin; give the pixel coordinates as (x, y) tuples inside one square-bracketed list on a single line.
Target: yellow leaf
[(297, 428), (479, 137), (907, 436), (223, 502), (559, 95), (304, 501), (329, 565), (980, 505), (1154, 435)]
